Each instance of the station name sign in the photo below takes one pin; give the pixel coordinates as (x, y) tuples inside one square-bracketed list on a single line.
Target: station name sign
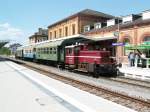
[(118, 44)]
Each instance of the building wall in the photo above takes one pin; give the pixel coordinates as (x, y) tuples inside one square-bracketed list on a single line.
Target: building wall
[(32, 40), (79, 21), (39, 36), (135, 35), (88, 20), (62, 26)]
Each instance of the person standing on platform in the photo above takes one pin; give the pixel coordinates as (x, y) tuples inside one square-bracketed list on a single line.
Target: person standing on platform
[(131, 58), (137, 59), (143, 58)]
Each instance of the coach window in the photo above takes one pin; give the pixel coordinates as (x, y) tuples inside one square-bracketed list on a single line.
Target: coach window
[(38, 51), (50, 51), (54, 51), (47, 50), (41, 50)]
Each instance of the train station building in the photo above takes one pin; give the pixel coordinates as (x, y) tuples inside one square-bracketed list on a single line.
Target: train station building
[(133, 30)]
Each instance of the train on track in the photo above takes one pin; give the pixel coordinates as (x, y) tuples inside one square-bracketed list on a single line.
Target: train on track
[(71, 53)]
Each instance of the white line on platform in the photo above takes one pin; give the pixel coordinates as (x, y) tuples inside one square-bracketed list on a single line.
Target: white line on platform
[(70, 100)]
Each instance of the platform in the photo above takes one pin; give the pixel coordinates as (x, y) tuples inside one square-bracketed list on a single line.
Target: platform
[(18, 94), (24, 90), (135, 72)]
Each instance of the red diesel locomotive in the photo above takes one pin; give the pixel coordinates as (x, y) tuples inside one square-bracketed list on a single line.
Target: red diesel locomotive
[(98, 62)]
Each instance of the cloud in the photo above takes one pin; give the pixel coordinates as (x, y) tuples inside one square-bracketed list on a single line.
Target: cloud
[(8, 32)]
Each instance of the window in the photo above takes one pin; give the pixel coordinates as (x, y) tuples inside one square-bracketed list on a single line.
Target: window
[(66, 31), (73, 29), (55, 34), (126, 51), (97, 25), (60, 32), (50, 35), (70, 51), (147, 38), (86, 28), (54, 50), (41, 50), (47, 50)]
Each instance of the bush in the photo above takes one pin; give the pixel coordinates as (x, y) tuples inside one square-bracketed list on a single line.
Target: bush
[(5, 51)]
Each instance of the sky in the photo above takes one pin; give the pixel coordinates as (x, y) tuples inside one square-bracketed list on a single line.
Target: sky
[(21, 18)]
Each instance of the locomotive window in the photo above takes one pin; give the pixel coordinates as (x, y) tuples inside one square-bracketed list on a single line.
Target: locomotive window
[(70, 51)]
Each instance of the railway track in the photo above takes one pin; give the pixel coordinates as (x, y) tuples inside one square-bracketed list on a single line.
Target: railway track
[(134, 82), (135, 103)]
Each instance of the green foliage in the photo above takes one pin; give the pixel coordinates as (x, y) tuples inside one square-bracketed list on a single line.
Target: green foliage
[(5, 51)]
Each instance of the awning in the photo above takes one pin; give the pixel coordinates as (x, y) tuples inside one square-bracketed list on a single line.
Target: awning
[(140, 47), (103, 38), (143, 47), (130, 47)]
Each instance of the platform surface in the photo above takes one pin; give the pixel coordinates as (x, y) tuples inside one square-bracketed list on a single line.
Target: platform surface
[(135, 72), (17, 94), (23, 86)]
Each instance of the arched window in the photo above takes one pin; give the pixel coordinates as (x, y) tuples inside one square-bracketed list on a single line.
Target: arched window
[(146, 51), (147, 38), (126, 51), (126, 41)]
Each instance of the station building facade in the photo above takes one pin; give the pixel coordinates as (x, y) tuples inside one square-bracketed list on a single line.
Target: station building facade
[(76, 24), (132, 29)]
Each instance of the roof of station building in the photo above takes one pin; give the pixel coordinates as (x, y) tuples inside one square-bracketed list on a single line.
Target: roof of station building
[(84, 12), (137, 22)]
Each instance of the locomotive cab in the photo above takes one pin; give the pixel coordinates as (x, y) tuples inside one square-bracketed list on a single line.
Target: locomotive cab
[(71, 58)]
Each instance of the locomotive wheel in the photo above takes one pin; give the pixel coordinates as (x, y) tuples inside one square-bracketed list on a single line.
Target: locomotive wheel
[(96, 74)]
